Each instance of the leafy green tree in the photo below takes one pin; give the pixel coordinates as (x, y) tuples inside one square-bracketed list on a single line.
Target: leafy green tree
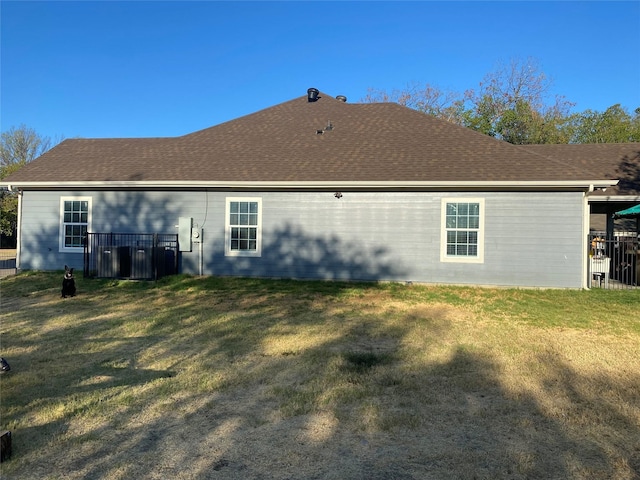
[(614, 125), (522, 125), (18, 146), (513, 103), (8, 213), (518, 125)]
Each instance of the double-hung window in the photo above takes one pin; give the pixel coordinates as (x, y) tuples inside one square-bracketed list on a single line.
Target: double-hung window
[(243, 229), (75, 221), (462, 230)]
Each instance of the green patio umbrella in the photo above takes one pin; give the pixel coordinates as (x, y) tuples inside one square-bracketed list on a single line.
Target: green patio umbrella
[(633, 212)]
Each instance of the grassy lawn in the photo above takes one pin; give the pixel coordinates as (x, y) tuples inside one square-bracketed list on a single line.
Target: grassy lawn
[(209, 378)]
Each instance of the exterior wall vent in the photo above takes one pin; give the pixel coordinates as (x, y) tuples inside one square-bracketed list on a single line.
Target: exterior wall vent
[(312, 94)]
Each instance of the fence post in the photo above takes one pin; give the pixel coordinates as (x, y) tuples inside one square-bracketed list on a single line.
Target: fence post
[(85, 242), (154, 256)]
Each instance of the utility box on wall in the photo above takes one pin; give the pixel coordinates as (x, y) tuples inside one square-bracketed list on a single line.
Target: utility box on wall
[(185, 225)]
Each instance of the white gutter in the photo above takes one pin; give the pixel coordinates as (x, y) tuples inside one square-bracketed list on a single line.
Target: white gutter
[(18, 232), (311, 185), (586, 214)]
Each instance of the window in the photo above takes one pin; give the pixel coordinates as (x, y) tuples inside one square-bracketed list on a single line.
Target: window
[(75, 219), (243, 227), (462, 230)]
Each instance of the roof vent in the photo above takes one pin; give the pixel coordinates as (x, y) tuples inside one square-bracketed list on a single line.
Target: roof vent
[(342, 98), (312, 94)]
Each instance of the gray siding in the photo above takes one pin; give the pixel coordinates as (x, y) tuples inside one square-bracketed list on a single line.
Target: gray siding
[(531, 239)]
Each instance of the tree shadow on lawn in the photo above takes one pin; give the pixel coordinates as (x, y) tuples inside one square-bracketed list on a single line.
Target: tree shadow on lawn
[(55, 389), (349, 405)]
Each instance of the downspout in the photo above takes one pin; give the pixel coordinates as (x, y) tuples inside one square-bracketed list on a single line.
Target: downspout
[(586, 220), (201, 262), (18, 227)]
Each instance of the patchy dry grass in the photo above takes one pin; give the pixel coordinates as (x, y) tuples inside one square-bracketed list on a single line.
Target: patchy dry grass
[(197, 378)]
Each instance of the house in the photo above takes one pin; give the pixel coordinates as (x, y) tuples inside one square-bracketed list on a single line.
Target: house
[(320, 188)]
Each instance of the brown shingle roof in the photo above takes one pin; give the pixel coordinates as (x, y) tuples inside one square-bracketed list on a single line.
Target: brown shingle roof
[(368, 143), (606, 160)]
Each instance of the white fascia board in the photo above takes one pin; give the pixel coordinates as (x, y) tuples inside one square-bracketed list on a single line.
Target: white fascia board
[(288, 185)]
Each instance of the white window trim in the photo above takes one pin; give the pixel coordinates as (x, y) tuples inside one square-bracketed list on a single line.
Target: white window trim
[(443, 232), (227, 229), (61, 246)]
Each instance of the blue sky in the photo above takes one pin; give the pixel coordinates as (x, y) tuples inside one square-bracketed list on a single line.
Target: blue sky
[(154, 69)]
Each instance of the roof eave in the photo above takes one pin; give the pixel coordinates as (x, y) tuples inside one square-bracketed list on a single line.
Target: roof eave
[(579, 185), (614, 198)]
